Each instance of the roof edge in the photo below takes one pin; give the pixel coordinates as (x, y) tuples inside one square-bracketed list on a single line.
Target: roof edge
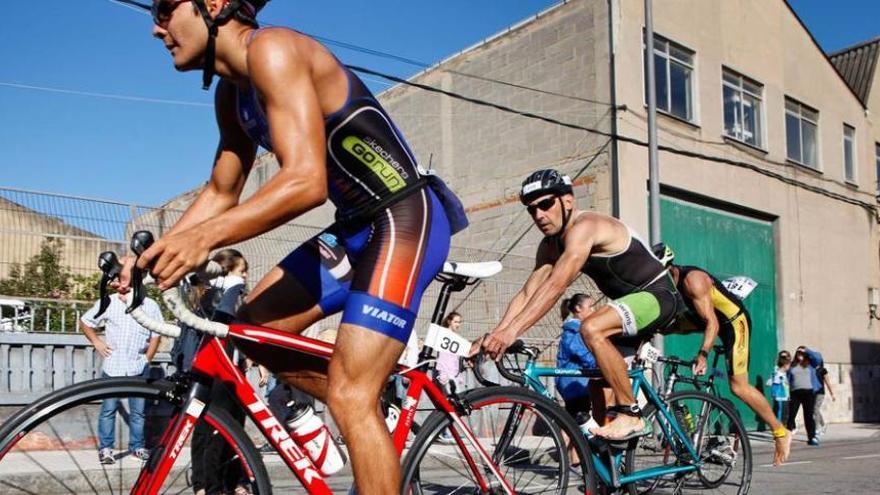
[(858, 45)]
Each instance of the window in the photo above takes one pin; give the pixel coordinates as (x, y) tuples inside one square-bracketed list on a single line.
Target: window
[(849, 153), (674, 69), (801, 132), (743, 108), (877, 165)]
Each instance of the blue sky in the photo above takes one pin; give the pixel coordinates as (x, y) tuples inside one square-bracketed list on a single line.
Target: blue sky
[(148, 151)]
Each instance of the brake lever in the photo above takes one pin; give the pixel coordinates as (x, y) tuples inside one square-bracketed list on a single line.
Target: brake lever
[(140, 242), (110, 270)]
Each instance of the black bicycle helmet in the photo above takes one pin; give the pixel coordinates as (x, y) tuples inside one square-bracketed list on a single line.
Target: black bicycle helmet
[(543, 182)]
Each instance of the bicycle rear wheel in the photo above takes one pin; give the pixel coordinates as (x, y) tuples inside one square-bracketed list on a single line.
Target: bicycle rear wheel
[(523, 433), (718, 435), (50, 447)]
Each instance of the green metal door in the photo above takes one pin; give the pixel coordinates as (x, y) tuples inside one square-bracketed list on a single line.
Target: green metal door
[(727, 244)]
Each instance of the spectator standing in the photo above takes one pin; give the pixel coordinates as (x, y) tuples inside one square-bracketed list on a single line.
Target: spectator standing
[(802, 379), (574, 354), (448, 364), (215, 468), (779, 388), (824, 385), (127, 349)]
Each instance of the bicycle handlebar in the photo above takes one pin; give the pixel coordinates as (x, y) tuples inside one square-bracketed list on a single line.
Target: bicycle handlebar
[(518, 347), (111, 268)]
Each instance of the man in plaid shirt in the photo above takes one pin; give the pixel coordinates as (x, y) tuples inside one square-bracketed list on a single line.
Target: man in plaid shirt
[(127, 349)]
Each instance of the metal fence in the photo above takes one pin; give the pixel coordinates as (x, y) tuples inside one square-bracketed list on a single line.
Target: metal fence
[(81, 228)]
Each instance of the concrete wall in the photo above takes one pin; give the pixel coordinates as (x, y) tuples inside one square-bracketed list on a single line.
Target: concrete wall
[(827, 250), (484, 153)]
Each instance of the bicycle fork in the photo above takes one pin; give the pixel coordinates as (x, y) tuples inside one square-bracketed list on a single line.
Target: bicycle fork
[(157, 468)]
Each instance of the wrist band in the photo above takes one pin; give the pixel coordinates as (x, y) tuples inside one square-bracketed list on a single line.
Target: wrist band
[(780, 432)]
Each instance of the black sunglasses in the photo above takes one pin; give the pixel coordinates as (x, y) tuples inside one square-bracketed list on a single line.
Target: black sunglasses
[(542, 205), (163, 9)]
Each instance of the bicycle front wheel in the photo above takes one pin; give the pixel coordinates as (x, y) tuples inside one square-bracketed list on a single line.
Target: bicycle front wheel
[(525, 435), (51, 446), (719, 438)]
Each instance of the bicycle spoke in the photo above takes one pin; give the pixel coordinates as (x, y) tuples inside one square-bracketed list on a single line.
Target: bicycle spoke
[(72, 458), (94, 435)]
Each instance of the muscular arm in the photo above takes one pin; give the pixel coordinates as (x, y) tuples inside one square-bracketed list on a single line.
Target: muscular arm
[(282, 75), (232, 163), (542, 271), (578, 244), (698, 287)]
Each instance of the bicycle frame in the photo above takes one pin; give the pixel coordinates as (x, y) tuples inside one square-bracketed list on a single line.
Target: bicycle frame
[(706, 384), (608, 473), (211, 362)]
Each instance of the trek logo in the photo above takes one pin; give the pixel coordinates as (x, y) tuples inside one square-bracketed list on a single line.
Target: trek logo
[(360, 149), (383, 315), (285, 444), (188, 424)]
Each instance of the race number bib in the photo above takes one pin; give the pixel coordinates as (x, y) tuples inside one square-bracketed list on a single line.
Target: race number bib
[(443, 339), (740, 286)]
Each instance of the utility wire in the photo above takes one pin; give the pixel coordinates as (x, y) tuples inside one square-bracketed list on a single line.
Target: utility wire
[(105, 95)]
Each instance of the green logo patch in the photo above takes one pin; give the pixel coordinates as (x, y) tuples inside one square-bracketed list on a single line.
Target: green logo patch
[(386, 173)]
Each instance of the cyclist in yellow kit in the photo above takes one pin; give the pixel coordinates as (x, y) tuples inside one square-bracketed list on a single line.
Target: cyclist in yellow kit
[(719, 313)]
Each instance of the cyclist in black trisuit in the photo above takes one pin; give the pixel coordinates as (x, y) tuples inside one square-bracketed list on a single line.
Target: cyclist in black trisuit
[(643, 296), (284, 91)]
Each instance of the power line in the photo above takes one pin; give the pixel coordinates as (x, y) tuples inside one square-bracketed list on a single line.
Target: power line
[(105, 95), (133, 5), (425, 65), (669, 149)]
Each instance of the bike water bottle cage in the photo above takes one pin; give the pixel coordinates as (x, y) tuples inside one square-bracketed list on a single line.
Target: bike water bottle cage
[(630, 410)]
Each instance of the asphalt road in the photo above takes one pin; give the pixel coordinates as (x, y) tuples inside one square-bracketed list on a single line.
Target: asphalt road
[(843, 467)]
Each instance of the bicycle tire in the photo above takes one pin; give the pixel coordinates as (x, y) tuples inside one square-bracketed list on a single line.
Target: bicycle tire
[(517, 459), (39, 415), (741, 448)]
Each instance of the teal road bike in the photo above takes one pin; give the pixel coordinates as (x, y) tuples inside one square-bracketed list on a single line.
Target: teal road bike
[(698, 443)]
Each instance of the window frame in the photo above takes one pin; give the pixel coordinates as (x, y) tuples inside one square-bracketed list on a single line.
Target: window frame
[(877, 166), (801, 117), (668, 59), (854, 180), (762, 121)]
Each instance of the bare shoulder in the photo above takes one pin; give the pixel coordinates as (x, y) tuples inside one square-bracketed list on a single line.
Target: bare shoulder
[(279, 47), (599, 228), (698, 282)]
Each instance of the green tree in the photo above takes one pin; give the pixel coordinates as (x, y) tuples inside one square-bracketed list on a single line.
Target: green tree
[(41, 276)]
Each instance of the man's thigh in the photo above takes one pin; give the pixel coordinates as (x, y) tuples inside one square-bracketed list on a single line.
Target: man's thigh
[(281, 301), (362, 361)]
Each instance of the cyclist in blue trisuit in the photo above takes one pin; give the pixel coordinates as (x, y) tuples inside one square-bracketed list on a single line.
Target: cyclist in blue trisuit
[(284, 91), (643, 297)]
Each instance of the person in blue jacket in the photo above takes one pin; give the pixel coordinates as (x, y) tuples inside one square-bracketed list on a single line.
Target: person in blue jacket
[(574, 354)]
